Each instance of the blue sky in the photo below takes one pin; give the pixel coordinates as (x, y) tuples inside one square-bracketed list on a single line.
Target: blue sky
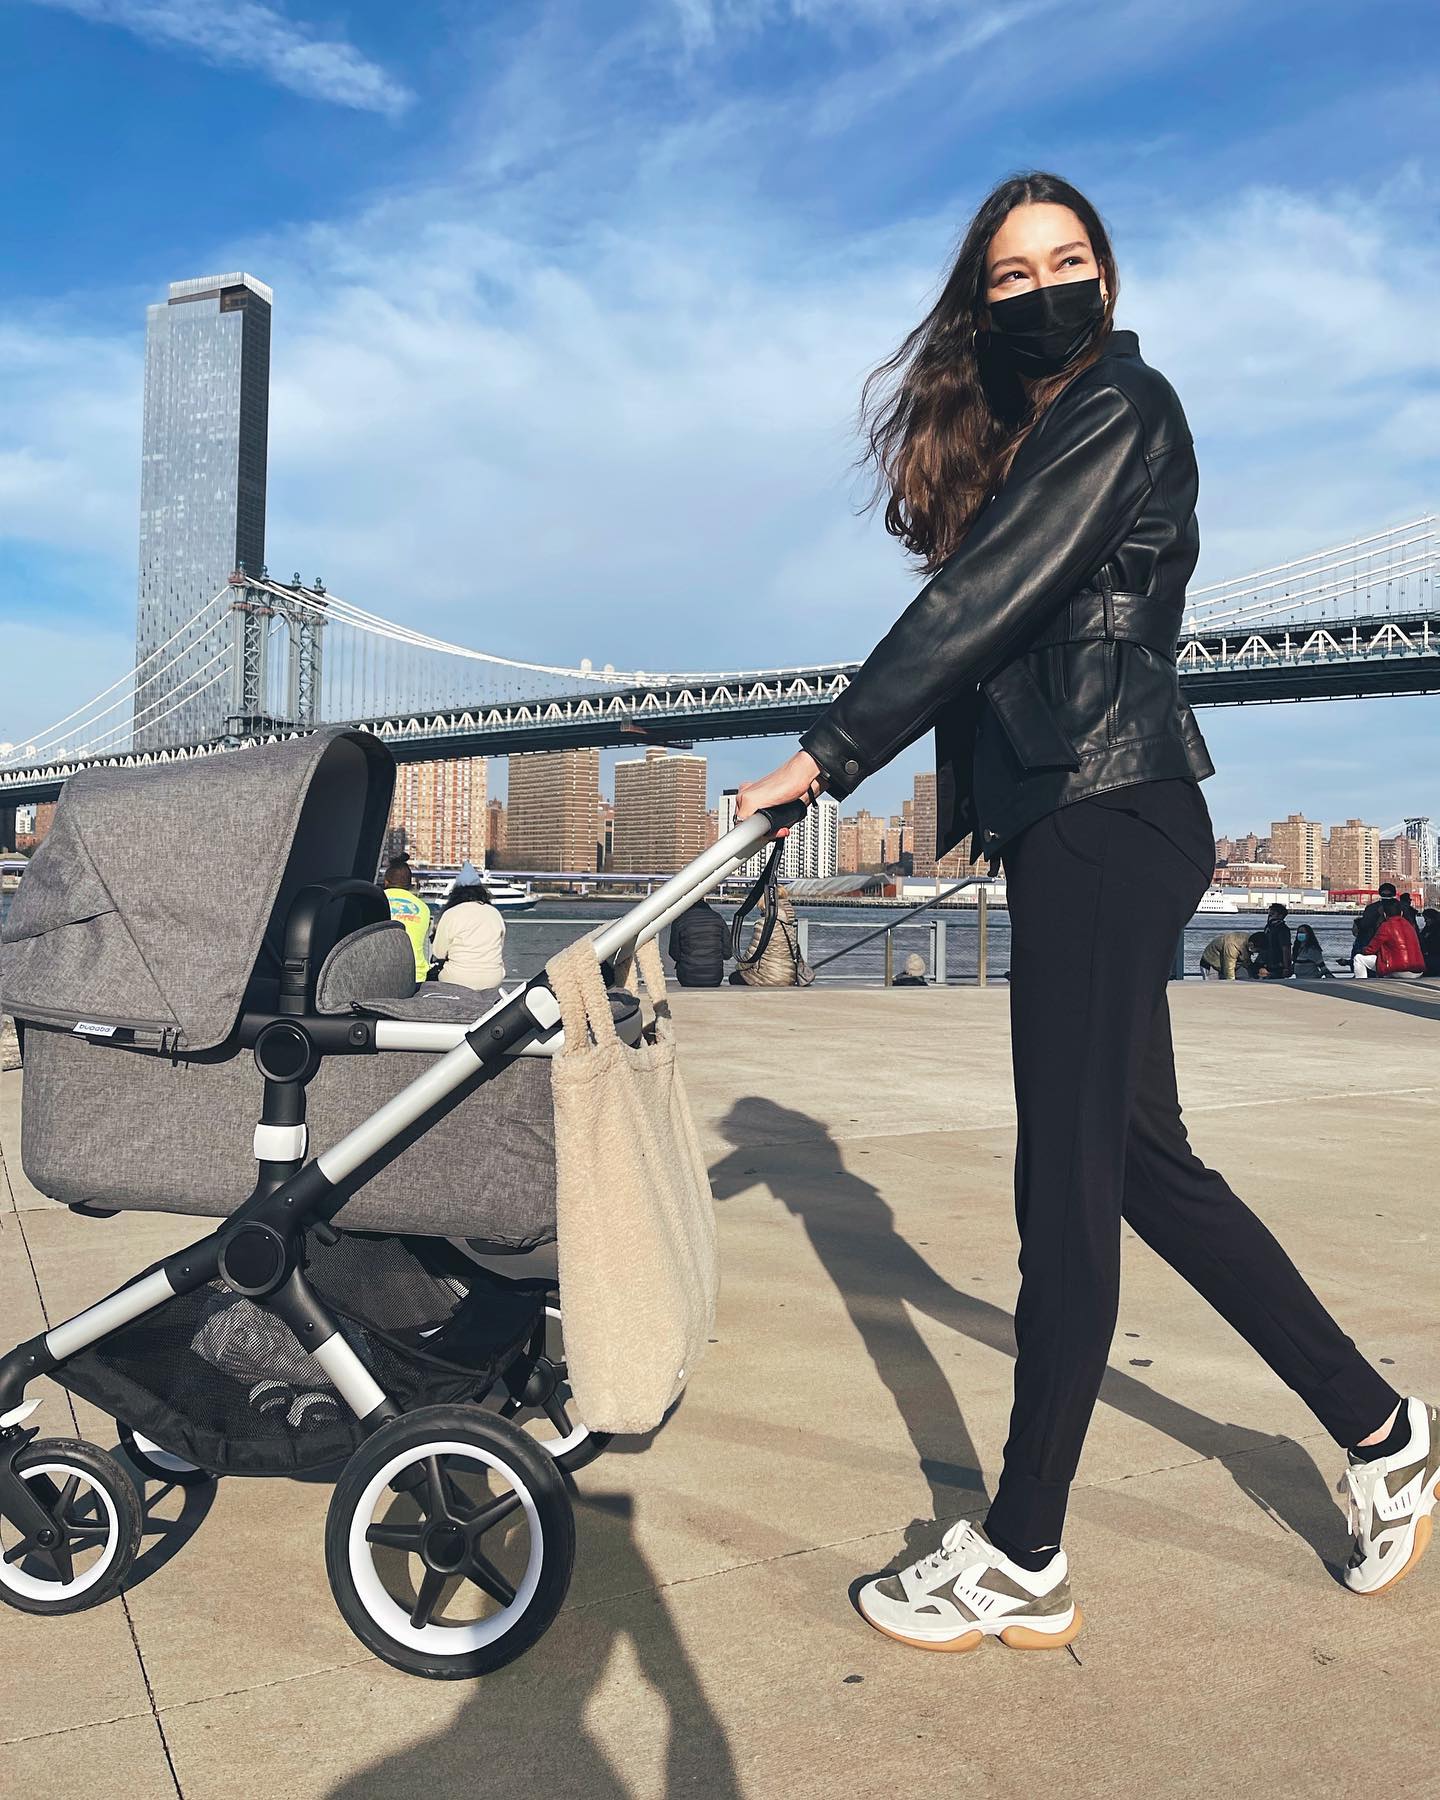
[(573, 301)]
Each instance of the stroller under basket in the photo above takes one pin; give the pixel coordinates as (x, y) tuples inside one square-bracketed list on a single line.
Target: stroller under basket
[(382, 1162)]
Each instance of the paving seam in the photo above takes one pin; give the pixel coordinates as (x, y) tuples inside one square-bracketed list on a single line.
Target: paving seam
[(34, 1737), (838, 1135), (260, 1687), (150, 1693)]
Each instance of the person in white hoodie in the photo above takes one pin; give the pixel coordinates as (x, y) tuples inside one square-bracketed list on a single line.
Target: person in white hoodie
[(470, 938)]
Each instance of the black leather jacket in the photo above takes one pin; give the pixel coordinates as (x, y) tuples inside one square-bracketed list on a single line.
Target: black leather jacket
[(1043, 650)]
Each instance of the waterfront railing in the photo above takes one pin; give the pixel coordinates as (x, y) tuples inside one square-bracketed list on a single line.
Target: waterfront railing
[(938, 973)]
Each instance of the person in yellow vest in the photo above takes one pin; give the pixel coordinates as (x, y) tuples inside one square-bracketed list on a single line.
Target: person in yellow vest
[(412, 912)]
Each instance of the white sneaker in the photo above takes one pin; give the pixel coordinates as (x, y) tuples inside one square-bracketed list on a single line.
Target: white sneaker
[(1390, 1503), (966, 1591)]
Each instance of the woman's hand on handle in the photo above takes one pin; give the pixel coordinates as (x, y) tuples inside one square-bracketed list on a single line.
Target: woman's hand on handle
[(798, 778)]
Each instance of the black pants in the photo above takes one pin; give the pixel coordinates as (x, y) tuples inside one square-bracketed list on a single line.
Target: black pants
[(1099, 894)]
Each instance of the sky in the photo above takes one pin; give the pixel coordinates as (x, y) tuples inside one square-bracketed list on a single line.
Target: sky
[(574, 299)]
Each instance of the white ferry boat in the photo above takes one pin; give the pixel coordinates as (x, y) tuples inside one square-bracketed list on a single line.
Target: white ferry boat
[(1216, 900), (434, 885)]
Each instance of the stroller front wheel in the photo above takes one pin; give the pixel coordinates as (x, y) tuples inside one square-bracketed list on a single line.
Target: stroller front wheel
[(82, 1556), (449, 1543)]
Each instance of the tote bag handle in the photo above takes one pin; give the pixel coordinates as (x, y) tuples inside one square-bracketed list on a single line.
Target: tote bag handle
[(579, 987)]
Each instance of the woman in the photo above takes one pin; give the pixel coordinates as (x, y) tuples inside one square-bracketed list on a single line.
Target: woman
[(1043, 475), (1308, 959), (781, 964), (470, 938)]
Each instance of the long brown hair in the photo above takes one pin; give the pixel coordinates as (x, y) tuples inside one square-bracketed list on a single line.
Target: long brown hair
[(944, 416)]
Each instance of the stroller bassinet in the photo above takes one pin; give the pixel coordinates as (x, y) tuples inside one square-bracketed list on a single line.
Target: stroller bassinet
[(154, 919)]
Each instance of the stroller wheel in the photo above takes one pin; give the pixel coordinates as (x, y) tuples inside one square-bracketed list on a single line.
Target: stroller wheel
[(449, 1543), (534, 1393), (157, 1463), (82, 1557)]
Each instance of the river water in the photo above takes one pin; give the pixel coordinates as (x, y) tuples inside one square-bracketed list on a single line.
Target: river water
[(533, 938)]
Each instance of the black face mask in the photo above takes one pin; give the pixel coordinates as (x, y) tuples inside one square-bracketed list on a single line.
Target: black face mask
[(1042, 332)]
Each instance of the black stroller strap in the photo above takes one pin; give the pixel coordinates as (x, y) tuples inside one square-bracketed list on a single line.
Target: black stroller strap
[(768, 885)]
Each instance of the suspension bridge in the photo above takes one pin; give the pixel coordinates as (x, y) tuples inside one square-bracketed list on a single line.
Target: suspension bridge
[(264, 659)]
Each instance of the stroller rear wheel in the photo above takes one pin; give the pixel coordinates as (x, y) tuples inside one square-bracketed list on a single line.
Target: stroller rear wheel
[(534, 1393), (156, 1462), (81, 1558), (449, 1543)]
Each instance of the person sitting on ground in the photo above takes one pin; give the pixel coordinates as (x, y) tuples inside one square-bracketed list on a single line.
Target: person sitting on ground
[(1394, 950), (1407, 910), (782, 964), (1369, 921), (913, 974), (1309, 959), (1275, 958), (1430, 939), (696, 945), (1231, 956), (412, 912), (470, 938)]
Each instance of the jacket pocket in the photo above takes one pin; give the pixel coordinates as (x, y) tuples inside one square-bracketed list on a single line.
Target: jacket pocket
[(1019, 703)]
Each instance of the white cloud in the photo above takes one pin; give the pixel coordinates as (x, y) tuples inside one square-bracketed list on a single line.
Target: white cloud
[(248, 35)]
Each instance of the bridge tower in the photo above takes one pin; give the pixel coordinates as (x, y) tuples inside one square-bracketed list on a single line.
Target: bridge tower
[(254, 606)]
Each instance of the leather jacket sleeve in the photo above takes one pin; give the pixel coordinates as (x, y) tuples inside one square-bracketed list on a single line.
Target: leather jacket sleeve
[(1075, 488)]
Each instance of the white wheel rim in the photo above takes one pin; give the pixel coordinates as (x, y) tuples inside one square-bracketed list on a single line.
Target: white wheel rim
[(386, 1611), (161, 1457), (32, 1586)]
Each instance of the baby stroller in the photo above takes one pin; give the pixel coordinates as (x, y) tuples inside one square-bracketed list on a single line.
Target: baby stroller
[(209, 990)]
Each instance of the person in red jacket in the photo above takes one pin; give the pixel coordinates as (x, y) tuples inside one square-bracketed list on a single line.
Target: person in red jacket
[(1394, 950)]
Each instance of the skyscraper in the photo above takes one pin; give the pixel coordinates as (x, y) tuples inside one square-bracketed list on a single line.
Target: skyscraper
[(553, 806), (202, 492), (442, 808), (659, 812), (1298, 844), (1352, 858)]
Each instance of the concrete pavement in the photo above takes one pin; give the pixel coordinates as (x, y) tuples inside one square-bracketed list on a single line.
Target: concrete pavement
[(860, 1145)]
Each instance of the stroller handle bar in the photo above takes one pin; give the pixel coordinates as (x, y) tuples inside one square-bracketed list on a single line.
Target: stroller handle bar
[(725, 855)]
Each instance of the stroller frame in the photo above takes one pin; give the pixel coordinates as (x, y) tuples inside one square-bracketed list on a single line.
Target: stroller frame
[(257, 1251)]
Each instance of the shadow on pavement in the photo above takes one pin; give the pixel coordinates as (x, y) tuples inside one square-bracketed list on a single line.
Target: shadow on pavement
[(527, 1729), (170, 1535), (881, 1278), (1421, 999)]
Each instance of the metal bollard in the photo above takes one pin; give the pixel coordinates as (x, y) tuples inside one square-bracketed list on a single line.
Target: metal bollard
[(941, 975), (982, 947), (889, 959), (803, 933)]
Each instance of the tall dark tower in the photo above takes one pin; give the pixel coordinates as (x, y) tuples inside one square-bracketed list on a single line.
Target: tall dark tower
[(202, 492)]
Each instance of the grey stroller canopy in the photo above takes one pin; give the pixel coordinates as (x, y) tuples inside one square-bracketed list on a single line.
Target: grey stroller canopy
[(157, 904)]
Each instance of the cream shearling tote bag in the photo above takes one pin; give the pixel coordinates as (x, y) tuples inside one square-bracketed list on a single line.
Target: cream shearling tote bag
[(635, 1219)]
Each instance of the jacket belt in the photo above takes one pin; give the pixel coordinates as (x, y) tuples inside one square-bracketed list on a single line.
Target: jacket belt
[(1090, 617)]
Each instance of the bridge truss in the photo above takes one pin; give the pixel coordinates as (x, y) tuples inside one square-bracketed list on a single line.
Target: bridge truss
[(1354, 620)]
